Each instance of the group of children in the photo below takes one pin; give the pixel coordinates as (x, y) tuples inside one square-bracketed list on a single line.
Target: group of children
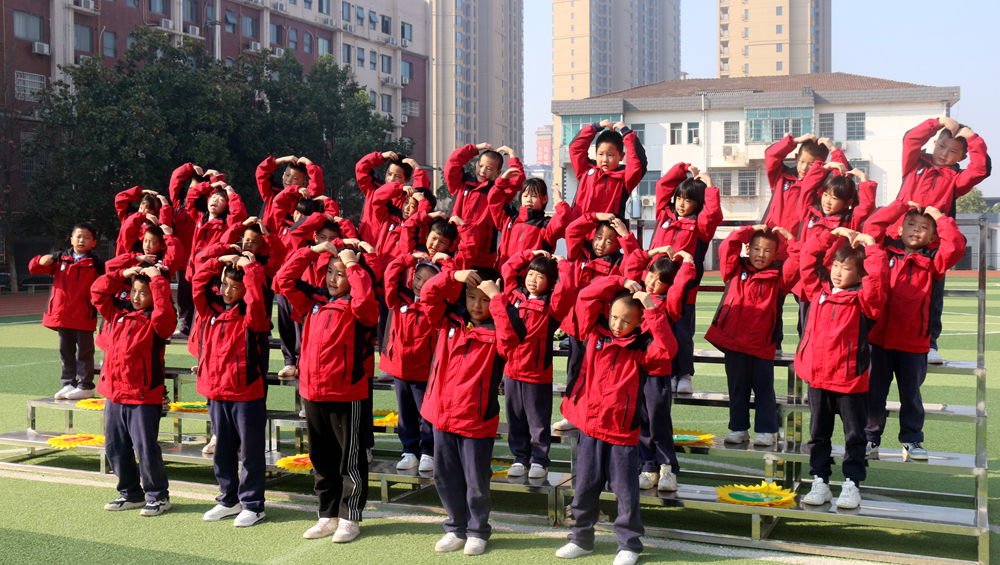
[(461, 306)]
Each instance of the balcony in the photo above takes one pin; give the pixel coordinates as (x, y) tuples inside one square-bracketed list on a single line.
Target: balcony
[(85, 7)]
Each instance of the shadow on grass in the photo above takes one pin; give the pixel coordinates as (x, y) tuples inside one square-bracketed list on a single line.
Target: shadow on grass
[(30, 547)]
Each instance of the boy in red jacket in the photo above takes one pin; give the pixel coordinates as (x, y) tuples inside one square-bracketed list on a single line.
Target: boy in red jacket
[(528, 228), (69, 311), (300, 171), (337, 321), (231, 377), (183, 178), (399, 171), (461, 399), (154, 210), (846, 296), (132, 382), (901, 337), (605, 184), (745, 324), (604, 401)]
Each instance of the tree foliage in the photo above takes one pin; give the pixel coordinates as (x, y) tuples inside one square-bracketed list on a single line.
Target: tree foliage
[(971, 203), (111, 128)]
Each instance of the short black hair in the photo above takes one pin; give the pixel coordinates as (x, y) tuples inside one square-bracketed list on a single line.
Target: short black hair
[(407, 169), (692, 189), (488, 274), (139, 277), (665, 269), (85, 226), (221, 192), (426, 265), (428, 194), (626, 294), (255, 228), (917, 212), (946, 134), (157, 231), (607, 225), (854, 254), (330, 225), (820, 152), (547, 267), (151, 202), (299, 168), (493, 155), (232, 273), (613, 137), (444, 228), (767, 234), (536, 187), (307, 206)]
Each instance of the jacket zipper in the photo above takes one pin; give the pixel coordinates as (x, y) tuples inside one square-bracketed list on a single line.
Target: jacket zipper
[(344, 357), (479, 410), (615, 360), (329, 315), (628, 399), (538, 351), (238, 383), (145, 383), (728, 309), (833, 312), (848, 367)]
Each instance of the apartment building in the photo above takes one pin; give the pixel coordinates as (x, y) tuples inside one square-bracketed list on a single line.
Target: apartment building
[(774, 37)]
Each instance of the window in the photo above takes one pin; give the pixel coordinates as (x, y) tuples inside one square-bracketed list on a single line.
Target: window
[(293, 38), (372, 60), (859, 164), (372, 19), (731, 132), (459, 103), (250, 27), (209, 12), (307, 42), (571, 124), (855, 126), (640, 132), (387, 102), (132, 3), (345, 11), (387, 25), (308, 4), (230, 21), (372, 97), (768, 126), (324, 7), (322, 46), (346, 53), (129, 42), (675, 134), (647, 186), (158, 6), (779, 47), (406, 32), (276, 33), (746, 69), (361, 57), (406, 69), (777, 29), (748, 182), (723, 179), (693, 137), (110, 40), (191, 11), (83, 38), (28, 26), (780, 65), (411, 107), (825, 126), (779, 10), (361, 21), (460, 119), (459, 86), (27, 86), (386, 64)]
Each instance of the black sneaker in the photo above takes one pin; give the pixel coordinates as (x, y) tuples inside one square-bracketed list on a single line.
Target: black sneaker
[(156, 507), (122, 503)]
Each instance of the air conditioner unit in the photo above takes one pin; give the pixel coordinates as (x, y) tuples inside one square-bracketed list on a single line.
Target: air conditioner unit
[(349, 69), (649, 201), (696, 140), (842, 145), (166, 23), (81, 59), (347, 27), (389, 80), (405, 80), (392, 40), (278, 52), (192, 30), (329, 22), (253, 46), (279, 6), (406, 42), (39, 48), (729, 150), (403, 119), (86, 4)]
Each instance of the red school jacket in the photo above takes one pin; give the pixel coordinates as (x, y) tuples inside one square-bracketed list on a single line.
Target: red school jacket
[(183, 223), (209, 230), (783, 209), (747, 315), (268, 191), (134, 341), (364, 172), (535, 317), (231, 337), (411, 328), (69, 302), (387, 219), (461, 396), (604, 399), (834, 353), (134, 225), (939, 187), (525, 229), (580, 250), (598, 191), (336, 332), (905, 321)]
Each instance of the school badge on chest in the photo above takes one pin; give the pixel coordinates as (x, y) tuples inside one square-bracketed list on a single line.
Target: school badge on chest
[(665, 225), (211, 321), (744, 276), (600, 344), (591, 172), (315, 308), (451, 333), (892, 262), (920, 171), (787, 185), (812, 223), (62, 266), (822, 298), (404, 308)]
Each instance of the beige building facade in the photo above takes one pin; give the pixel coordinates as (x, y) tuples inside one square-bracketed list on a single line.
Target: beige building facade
[(773, 37)]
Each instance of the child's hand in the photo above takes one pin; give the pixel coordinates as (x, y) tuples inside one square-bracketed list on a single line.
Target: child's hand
[(390, 156), (412, 163), (839, 167), (236, 247), (440, 256), (804, 138), (703, 177), (263, 228), (230, 190), (826, 142), (683, 256), (468, 276), (349, 257), (859, 174), (151, 192), (484, 146), (438, 214), (219, 184), (304, 161), (863, 239), (153, 219), (325, 247), (509, 173), (949, 124), (304, 193), (167, 230), (151, 272), (46, 260), (844, 232), (784, 233), (352, 242), (694, 171), (211, 173), (965, 132), (249, 255), (490, 288), (198, 170), (244, 261), (418, 196), (934, 213), (645, 298), (421, 256), (229, 258), (366, 247), (508, 152), (321, 198), (604, 217), (605, 124), (146, 259), (163, 200), (618, 126), (558, 258), (131, 272), (620, 227), (557, 196), (632, 286), (663, 250), (542, 252), (456, 220), (759, 227), (250, 221), (286, 159)]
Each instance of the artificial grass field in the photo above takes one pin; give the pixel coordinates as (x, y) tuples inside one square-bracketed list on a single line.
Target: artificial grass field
[(45, 518)]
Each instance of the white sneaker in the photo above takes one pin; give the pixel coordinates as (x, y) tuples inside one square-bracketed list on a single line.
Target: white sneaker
[(934, 358), (849, 497), (368, 453), (302, 413), (683, 387), (80, 394), (915, 451), (426, 464), (347, 530), (763, 439), (323, 528), (408, 461), (736, 436), (668, 481), (209, 447), (537, 471), (385, 378), (474, 546), (517, 470), (61, 395), (248, 518), (871, 450), (818, 494), (219, 512), (288, 373), (647, 479), (626, 557), (673, 384), (450, 542), (572, 551), (563, 425)]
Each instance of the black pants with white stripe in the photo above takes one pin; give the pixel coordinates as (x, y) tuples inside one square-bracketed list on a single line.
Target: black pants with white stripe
[(338, 457)]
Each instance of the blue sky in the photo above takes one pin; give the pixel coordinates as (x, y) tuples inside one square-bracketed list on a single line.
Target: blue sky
[(925, 42)]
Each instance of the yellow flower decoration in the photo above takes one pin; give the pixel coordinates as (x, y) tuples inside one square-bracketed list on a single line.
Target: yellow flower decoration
[(692, 437), (296, 464), (91, 404), (76, 440), (764, 494), (201, 407), (499, 468), (385, 418)]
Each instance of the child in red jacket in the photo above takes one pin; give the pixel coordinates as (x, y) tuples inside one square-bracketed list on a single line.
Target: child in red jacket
[(745, 324), (132, 382), (626, 337), (398, 170), (846, 296), (299, 171), (901, 337), (69, 310), (461, 399), (604, 184), (786, 182), (528, 228), (409, 347), (154, 210), (337, 321), (688, 213), (542, 298), (236, 326), (186, 177)]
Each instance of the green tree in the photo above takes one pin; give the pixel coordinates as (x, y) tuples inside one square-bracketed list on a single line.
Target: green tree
[(971, 203)]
